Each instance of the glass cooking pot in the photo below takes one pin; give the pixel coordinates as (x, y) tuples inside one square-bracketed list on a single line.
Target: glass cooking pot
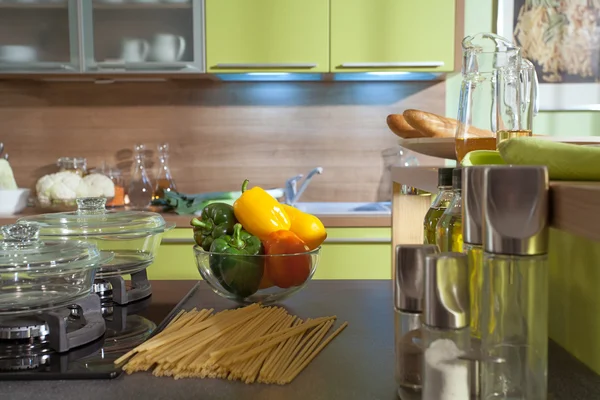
[(37, 275), (133, 236)]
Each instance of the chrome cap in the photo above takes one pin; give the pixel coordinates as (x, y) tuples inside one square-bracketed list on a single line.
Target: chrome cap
[(515, 210), (408, 285), (472, 196), (446, 291)]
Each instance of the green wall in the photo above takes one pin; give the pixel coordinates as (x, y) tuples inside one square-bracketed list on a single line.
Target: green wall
[(479, 17)]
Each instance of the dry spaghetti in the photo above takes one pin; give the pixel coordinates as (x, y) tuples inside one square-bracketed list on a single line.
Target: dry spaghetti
[(250, 344)]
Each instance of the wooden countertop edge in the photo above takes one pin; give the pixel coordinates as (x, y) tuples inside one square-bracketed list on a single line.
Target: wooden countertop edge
[(574, 205), (330, 221)]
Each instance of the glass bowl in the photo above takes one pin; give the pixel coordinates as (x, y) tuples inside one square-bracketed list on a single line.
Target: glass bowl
[(261, 279)]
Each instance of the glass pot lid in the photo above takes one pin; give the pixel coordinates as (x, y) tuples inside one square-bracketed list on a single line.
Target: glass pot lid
[(93, 219), (21, 250)]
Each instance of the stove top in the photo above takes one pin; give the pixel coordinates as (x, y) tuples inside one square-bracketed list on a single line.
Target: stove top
[(75, 342)]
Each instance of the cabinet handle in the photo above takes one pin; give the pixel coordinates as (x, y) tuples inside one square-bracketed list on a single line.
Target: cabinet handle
[(422, 64), (327, 241), (266, 66)]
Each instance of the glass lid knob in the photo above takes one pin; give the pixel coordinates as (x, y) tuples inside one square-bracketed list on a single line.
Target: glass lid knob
[(20, 234), (91, 205)]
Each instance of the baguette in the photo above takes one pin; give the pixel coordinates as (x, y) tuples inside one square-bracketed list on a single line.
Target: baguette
[(436, 126), (397, 123)]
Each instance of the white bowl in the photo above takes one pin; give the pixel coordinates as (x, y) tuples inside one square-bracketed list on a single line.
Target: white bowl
[(13, 201)]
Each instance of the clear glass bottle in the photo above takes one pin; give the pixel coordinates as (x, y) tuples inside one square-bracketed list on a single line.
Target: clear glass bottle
[(408, 308), (445, 332), (115, 175), (515, 283), (73, 164), (164, 179), (140, 188), (439, 205), (449, 235)]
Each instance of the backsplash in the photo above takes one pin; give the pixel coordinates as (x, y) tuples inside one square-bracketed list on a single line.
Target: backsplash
[(220, 133)]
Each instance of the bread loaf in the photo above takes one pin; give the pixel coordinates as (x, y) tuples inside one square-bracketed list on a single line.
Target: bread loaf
[(433, 125), (397, 123)]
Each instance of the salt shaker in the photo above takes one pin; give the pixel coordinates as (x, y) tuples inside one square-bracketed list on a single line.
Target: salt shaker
[(515, 305), (408, 307), (446, 331)]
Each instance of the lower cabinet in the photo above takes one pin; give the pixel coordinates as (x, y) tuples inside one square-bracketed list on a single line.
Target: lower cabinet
[(348, 253)]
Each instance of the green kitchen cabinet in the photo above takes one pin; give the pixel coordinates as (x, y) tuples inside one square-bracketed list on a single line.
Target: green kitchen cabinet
[(349, 253), (392, 35), (267, 36)]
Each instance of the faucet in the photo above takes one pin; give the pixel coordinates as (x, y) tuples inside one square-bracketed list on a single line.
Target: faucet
[(292, 194)]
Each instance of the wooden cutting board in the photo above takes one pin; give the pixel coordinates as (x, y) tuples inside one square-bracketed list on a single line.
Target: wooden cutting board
[(444, 147)]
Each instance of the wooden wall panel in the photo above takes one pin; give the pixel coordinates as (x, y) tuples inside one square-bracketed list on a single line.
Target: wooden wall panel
[(220, 133)]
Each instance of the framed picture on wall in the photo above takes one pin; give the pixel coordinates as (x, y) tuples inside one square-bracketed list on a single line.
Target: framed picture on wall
[(562, 39)]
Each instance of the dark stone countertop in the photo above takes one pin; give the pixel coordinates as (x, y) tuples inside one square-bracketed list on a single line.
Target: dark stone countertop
[(358, 364)]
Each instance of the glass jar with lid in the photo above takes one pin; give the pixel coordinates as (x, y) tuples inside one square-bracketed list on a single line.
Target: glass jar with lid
[(74, 164), (133, 236), (37, 275)]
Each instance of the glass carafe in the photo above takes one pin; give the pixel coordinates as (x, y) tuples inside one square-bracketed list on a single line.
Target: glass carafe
[(164, 179), (517, 95), (484, 54), (140, 188)]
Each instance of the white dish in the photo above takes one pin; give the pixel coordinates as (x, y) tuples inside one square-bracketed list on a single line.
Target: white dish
[(13, 201)]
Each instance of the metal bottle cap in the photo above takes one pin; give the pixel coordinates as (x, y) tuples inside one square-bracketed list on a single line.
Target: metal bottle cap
[(472, 196), (515, 210), (457, 179), (445, 176), (447, 291), (410, 267)]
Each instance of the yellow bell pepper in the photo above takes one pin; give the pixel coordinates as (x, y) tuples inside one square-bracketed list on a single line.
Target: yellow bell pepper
[(306, 226), (259, 212)]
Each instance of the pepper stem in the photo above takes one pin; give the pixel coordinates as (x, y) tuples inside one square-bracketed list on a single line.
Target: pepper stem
[(245, 185), (201, 224), (235, 237)]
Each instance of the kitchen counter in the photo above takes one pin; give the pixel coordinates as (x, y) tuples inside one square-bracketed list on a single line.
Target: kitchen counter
[(361, 220), (358, 364)]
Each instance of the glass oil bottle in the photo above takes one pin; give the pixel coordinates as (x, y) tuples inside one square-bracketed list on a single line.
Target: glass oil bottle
[(449, 235), (445, 331), (140, 188), (439, 205), (515, 283), (164, 179), (408, 308)]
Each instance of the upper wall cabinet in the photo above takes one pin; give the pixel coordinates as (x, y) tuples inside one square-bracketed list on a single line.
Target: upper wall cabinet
[(143, 36), (39, 37), (392, 35), (267, 35)]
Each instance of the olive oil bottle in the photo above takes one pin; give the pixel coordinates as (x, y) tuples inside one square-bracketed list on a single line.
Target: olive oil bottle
[(449, 234), (439, 205)]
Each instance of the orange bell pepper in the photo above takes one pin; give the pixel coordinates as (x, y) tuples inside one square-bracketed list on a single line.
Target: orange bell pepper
[(287, 271), (260, 213), (306, 226)]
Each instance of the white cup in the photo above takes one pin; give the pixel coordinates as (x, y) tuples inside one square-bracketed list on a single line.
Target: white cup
[(135, 50), (17, 53), (167, 47)]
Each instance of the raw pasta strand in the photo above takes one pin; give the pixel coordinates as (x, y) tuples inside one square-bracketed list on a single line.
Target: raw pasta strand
[(316, 352)]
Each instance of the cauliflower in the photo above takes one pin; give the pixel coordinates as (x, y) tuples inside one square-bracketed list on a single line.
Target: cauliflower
[(99, 185), (66, 186)]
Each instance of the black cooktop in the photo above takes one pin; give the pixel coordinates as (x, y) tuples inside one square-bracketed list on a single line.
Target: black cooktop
[(126, 327)]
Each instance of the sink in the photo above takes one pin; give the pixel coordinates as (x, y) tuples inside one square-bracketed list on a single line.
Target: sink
[(381, 208)]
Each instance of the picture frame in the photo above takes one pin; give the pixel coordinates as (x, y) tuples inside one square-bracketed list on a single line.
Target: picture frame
[(559, 90)]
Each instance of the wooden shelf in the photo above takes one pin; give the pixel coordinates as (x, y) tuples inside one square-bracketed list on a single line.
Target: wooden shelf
[(574, 206)]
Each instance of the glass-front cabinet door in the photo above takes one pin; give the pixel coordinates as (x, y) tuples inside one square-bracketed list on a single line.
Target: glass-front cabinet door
[(143, 36), (39, 36)]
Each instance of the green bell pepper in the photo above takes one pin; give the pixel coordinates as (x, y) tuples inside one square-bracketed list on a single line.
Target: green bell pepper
[(233, 264), (217, 219)]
